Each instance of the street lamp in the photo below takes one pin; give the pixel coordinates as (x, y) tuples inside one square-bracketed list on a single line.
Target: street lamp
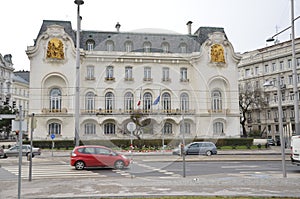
[(282, 142), (295, 86), (78, 3)]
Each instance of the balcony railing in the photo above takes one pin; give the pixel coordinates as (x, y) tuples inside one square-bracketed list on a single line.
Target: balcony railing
[(52, 111), (132, 111)]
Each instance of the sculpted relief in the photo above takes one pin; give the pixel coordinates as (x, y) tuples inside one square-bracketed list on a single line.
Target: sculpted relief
[(55, 49), (217, 53)]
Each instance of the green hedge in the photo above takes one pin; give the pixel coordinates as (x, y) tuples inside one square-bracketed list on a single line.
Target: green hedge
[(144, 143)]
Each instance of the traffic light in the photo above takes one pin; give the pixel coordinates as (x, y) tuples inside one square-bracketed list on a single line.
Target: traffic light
[(14, 104), (6, 101)]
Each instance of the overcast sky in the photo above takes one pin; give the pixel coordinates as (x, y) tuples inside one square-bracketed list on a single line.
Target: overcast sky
[(247, 23)]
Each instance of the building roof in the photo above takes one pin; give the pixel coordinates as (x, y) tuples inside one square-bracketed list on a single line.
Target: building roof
[(22, 76), (137, 39)]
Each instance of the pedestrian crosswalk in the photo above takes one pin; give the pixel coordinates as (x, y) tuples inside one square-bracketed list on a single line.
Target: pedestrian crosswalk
[(51, 171)]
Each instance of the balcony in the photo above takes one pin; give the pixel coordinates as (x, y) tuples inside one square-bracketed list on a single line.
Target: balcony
[(54, 111), (132, 111), (109, 79), (219, 111)]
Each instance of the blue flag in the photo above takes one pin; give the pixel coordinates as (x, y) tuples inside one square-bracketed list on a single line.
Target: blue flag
[(157, 100)]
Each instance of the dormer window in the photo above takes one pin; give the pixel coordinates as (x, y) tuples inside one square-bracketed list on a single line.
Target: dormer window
[(165, 47), (110, 46), (147, 47), (128, 46), (90, 44)]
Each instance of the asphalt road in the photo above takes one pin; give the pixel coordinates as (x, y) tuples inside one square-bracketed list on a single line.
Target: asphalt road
[(151, 175)]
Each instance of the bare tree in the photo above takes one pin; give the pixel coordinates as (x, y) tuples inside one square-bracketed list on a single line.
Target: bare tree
[(250, 97)]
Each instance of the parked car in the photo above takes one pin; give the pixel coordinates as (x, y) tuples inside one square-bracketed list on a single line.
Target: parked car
[(1, 152), (14, 151), (270, 142), (97, 156), (205, 148)]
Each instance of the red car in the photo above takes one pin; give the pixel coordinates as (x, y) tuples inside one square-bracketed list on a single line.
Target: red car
[(97, 156)]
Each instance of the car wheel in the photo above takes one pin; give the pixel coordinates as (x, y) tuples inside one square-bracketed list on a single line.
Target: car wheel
[(119, 164), (79, 165), (208, 153)]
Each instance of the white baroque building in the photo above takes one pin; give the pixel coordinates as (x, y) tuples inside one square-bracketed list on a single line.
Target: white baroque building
[(179, 82), (264, 65)]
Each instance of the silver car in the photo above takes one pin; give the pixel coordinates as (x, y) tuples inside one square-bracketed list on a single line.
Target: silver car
[(1, 152), (14, 151), (196, 148)]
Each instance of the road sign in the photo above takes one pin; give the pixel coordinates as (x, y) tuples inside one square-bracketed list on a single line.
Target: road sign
[(52, 136), (131, 126)]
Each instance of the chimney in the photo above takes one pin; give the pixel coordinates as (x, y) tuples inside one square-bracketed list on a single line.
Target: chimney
[(189, 25), (118, 27)]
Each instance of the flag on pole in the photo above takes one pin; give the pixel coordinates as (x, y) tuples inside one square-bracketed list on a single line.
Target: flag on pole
[(139, 101), (156, 101)]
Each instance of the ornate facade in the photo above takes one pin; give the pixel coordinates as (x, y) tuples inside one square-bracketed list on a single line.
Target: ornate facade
[(261, 65), (176, 82)]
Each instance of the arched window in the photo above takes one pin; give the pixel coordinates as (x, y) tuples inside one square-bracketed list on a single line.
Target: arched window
[(109, 46), (90, 44), (218, 128), (167, 128), (109, 128), (54, 128), (183, 48), (109, 102), (55, 100), (147, 102), (90, 102), (147, 47), (128, 46), (89, 129), (128, 102), (166, 102), (184, 102), (216, 101), (165, 47)]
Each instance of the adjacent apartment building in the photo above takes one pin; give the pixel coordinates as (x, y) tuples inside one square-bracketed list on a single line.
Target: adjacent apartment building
[(264, 65), (174, 83)]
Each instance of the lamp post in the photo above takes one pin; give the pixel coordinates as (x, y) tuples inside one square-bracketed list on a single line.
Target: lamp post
[(282, 142), (78, 3), (294, 69), (295, 87)]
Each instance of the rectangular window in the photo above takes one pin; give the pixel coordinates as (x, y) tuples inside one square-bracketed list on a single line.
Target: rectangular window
[(90, 73), (281, 66), (183, 74), (165, 74), (289, 63), (128, 73), (256, 70), (298, 62), (147, 74), (273, 67), (266, 68), (290, 79), (291, 95), (247, 72), (269, 114)]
